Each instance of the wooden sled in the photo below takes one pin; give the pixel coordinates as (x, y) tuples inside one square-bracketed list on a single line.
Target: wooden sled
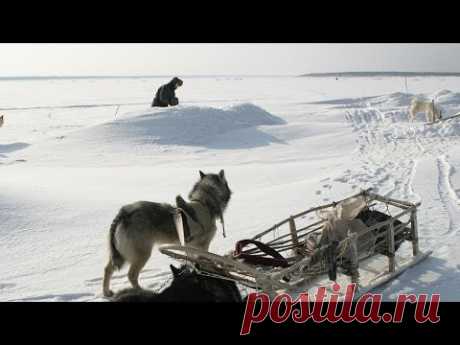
[(302, 273)]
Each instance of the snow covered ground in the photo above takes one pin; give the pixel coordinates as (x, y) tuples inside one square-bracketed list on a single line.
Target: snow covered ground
[(69, 158)]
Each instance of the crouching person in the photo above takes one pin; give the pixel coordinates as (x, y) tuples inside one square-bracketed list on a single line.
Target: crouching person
[(166, 94)]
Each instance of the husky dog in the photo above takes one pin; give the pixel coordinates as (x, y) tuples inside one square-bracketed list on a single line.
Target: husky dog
[(186, 286), (143, 224), (432, 113)]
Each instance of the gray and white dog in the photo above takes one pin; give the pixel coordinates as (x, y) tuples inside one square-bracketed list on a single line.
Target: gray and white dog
[(143, 224)]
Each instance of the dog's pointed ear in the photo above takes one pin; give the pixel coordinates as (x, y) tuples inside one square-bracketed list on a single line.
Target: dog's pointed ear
[(175, 271), (202, 174), (180, 202), (222, 174), (179, 199)]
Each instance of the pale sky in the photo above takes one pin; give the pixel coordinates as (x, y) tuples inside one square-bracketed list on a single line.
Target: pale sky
[(223, 59)]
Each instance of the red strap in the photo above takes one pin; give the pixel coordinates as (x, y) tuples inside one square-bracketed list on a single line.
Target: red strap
[(276, 258)]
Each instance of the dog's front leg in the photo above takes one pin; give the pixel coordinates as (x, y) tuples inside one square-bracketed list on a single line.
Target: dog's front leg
[(429, 116)]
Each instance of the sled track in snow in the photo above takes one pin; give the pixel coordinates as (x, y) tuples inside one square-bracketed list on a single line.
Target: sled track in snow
[(448, 195), (387, 163), (413, 170), (389, 151)]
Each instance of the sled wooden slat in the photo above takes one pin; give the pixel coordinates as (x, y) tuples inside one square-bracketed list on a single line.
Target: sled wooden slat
[(287, 244), (313, 209), (277, 240), (295, 240), (414, 233), (394, 202), (391, 248), (363, 192), (384, 279), (276, 243)]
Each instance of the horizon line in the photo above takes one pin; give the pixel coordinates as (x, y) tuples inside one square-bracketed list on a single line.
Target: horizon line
[(394, 72), (82, 76), (314, 74)]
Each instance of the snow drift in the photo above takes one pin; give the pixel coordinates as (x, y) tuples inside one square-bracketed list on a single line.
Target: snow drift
[(144, 134), (183, 125)]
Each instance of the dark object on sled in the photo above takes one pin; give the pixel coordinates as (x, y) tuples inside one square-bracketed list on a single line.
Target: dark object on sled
[(166, 94), (371, 218)]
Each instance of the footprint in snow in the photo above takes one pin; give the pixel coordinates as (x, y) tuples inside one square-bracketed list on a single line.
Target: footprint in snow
[(6, 285)]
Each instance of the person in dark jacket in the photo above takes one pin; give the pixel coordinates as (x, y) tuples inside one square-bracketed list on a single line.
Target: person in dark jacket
[(166, 94)]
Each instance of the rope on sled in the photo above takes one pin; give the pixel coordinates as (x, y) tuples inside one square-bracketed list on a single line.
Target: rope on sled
[(344, 245)]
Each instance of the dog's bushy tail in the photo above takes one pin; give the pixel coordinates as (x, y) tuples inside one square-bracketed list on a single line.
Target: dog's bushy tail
[(115, 256)]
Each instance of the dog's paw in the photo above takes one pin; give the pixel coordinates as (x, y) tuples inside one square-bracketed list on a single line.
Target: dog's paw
[(108, 293)]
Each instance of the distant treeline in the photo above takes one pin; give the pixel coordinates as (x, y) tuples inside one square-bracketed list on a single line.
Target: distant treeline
[(383, 74)]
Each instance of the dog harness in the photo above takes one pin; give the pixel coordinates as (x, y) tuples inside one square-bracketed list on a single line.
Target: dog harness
[(221, 216)]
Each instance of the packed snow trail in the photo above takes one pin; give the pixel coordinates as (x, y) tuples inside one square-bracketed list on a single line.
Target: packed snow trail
[(410, 161)]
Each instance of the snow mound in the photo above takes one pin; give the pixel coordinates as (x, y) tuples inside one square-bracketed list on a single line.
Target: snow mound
[(374, 116), (446, 97), (184, 125), (442, 97), (392, 100), (390, 117), (442, 92), (393, 108), (146, 136)]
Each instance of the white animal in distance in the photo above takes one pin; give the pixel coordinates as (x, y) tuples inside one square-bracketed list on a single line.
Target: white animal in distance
[(432, 113)]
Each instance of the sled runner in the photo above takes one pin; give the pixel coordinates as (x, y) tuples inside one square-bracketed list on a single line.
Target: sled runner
[(364, 238)]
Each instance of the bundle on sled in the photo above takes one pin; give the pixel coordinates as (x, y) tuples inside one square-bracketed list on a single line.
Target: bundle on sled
[(357, 240)]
